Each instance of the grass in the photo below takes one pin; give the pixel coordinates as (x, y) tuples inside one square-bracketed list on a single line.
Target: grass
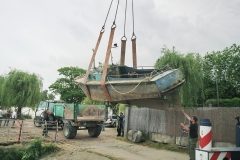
[(157, 145), (34, 150)]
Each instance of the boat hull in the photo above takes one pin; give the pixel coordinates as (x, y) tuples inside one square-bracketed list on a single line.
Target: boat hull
[(126, 89)]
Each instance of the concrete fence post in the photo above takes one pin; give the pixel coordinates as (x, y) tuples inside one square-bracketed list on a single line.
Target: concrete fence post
[(126, 124)]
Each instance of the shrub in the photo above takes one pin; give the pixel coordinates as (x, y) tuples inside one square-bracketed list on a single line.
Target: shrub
[(26, 116), (34, 150), (235, 102)]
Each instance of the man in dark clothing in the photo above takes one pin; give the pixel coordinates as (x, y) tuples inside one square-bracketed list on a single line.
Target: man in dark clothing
[(8, 116), (120, 125), (193, 134), (47, 116), (45, 120)]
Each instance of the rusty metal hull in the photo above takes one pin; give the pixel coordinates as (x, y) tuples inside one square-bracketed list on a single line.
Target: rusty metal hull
[(133, 89)]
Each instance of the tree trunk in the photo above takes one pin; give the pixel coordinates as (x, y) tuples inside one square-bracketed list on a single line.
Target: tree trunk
[(19, 111)]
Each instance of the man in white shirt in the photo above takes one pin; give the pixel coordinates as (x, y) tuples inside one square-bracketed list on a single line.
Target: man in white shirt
[(1, 116), (14, 117)]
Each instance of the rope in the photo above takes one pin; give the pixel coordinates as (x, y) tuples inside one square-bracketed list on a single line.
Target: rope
[(103, 27), (130, 90), (115, 15)]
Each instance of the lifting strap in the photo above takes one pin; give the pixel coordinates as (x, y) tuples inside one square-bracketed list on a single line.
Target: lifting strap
[(104, 74), (94, 54), (134, 50), (123, 41), (90, 64)]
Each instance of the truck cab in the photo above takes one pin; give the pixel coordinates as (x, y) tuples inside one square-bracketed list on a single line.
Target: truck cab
[(55, 106)]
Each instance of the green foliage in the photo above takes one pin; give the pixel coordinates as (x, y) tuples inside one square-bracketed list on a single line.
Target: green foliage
[(26, 116), (11, 153), (44, 95), (190, 65), (49, 148), (34, 151), (51, 96), (121, 108), (47, 96), (222, 68), (69, 91), (89, 101), (21, 89), (2, 80), (235, 102)]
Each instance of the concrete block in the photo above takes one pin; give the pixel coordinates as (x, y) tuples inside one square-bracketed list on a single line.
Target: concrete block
[(223, 144), (162, 138)]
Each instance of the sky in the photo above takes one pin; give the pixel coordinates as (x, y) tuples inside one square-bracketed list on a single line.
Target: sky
[(42, 36)]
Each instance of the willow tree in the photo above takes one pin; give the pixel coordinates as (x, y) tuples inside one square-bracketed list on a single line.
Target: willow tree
[(21, 89), (190, 64), (2, 80)]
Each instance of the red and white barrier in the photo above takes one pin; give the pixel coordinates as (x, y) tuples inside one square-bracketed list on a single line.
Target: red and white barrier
[(220, 155), (205, 142)]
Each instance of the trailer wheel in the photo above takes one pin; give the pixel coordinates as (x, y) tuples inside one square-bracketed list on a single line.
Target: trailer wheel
[(36, 122), (94, 131), (69, 131)]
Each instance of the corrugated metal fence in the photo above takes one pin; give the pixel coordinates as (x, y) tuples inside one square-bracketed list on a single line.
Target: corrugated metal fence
[(168, 122)]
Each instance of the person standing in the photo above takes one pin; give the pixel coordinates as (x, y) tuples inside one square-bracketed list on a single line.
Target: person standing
[(48, 116), (103, 127), (8, 116), (45, 121), (1, 116), (120, 124), (14, 117), (193, 134)]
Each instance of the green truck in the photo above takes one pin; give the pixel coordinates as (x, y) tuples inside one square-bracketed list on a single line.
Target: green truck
[(73, 117)]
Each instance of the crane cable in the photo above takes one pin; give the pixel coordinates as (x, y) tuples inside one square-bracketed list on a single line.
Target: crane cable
[(114, 24), (124, 35), (133, 34), (103, 27)]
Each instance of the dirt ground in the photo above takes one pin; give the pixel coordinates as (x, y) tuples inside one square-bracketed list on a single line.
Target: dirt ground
[(105, 147)]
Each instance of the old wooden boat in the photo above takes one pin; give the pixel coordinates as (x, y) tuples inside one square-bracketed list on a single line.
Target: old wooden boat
[(132, 86)]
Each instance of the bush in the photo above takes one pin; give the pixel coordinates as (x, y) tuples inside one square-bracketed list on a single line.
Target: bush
[(34, 150), (235, 102), (26, 116)]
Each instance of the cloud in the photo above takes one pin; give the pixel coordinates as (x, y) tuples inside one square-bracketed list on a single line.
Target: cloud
[(43, 36)]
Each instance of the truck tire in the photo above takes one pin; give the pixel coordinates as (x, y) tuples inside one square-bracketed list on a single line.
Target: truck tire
[(114, 125), (69, 131), (95, 131), (36, 122)]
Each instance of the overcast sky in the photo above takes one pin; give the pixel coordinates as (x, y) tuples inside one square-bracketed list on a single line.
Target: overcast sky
[(42, 36)]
